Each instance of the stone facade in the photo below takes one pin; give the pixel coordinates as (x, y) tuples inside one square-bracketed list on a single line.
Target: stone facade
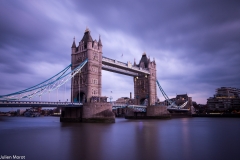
[(153, 111), (71, 114), (88, 83), (98, 112), (145, 85)]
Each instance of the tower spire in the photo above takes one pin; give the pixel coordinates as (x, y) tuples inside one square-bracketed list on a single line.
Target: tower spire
[(87, 29), (99, 41), (74, 44)]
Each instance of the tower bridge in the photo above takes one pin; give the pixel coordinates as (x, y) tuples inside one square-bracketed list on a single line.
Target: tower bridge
[(90, 78), (87, 103)]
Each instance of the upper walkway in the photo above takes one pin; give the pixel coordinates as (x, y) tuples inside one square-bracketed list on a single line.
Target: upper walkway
[(122, 68)]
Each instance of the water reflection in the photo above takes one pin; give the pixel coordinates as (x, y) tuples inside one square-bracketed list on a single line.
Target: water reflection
[(183, 138)]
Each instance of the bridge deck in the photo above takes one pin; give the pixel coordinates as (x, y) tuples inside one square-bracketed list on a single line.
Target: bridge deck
[(38, 104)]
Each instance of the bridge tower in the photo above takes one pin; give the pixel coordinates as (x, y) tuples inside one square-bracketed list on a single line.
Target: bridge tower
[(145, 85), (90, 76), (86, 85)]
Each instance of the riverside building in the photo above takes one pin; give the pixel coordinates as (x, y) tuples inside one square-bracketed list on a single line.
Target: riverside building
[(225, 99)]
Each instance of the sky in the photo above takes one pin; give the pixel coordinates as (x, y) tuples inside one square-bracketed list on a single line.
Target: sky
[(196, 44)]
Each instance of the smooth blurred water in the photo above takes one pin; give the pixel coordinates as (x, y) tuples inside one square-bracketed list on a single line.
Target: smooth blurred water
[(181, 138)]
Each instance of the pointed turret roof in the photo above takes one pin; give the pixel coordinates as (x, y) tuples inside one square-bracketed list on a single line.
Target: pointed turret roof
[(74, 44), (134, 62), (144, 59), (99, 41), (87, 36)]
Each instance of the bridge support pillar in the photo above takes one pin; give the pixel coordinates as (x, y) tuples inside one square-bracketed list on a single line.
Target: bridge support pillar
[(71, 114), (157, 112), (98, 112)]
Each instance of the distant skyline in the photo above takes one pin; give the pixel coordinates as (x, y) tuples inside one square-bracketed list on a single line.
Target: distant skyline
[(196, 44)]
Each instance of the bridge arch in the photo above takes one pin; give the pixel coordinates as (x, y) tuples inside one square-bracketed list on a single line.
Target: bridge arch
[(82, 97), (143, 101)]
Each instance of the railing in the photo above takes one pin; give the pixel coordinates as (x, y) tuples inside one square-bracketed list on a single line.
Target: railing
[(39, 102), (108, 59), (137, 108)]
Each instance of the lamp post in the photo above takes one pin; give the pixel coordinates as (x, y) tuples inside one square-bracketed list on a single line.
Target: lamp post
[(79, 86), (111, 97)]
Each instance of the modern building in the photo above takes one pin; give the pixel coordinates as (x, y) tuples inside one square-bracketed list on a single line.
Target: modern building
[(225, 99)]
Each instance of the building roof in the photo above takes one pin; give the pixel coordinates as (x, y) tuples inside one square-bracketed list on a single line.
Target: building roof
[(99, 41), (87, 36), (182, 95), (74, 45), (144, 59)]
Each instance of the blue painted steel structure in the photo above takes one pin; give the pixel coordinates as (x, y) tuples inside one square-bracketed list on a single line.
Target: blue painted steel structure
[(55, 82), (172, 105), (47, 86)]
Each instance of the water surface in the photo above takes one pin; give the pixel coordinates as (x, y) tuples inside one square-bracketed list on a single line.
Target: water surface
[(181, 138)]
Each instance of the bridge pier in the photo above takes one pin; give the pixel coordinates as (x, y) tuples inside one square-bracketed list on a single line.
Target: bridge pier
[(91, 112), (72, 114), (98, 112), (157, 112)]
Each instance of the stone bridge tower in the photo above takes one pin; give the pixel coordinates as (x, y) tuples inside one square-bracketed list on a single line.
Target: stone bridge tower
[(145, 85), (90, 76)]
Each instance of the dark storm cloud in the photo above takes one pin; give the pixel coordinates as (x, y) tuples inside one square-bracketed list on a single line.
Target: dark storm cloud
[(27, 31), (22, 27), (197, 26), (27, 37)]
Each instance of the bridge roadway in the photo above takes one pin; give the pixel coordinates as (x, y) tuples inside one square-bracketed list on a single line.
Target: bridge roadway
[(38, 104), (24, 104)]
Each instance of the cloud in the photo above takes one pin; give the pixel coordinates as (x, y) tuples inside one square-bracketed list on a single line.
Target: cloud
[(196, 46)]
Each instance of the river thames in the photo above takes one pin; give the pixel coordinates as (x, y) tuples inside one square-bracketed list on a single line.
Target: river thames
[(180, 138)]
